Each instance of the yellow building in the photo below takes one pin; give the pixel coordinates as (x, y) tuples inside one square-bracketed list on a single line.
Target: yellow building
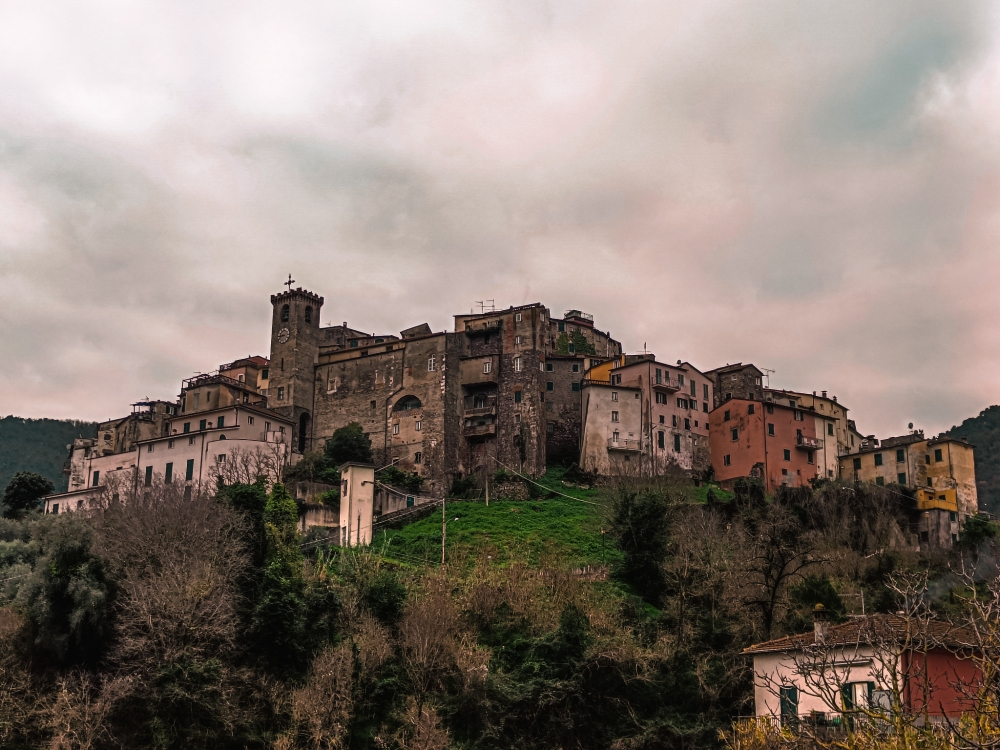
[(941, 471)]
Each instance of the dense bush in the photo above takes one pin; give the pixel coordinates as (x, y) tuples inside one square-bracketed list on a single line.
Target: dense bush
[(408, 481)]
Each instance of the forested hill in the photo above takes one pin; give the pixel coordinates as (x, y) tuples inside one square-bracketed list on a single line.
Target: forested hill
[(38, 445), (984, 433)]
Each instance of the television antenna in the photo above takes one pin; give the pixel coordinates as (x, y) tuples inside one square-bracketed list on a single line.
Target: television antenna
[(486, 306)]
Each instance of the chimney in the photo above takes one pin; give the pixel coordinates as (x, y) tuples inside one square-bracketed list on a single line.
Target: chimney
[(821, 623), (824, 393)]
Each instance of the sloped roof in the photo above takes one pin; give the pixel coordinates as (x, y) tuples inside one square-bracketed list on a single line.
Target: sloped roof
[(877, 628)]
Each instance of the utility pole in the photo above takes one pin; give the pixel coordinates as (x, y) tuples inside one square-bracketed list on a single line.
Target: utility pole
[(487, 490), (444, 526)]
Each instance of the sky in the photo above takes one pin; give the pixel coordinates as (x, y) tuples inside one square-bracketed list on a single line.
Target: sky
[(813, 187)]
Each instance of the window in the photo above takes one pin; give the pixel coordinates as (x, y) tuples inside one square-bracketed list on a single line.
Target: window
[(55, 509), (901, 478), (687, 424), (615, 436), (927, 456), (662, 420), (187, 427), (704, 391), (673, 420), (727, 460), (680, 379), (517, 397), (431, 363), (900, 455), (309, 314), (550, 386), (517, 364), (704, 407), (857, 464), (614, 416), (168, 473), (725, 415), (284, 313), (575, 386), (517, 317), (354, 343), (149, 448), (694, 389), (572, 348), (880, 481), (576, 368), (373, 405), (938, 456), (281, 393), (222, 422), (661, 398), (750, 409), (418, 457), (784, 472), (953, 516), (829, 428), (770, 429), (149, 476), (517, 341), (170, 444), (729, 396), (517, 419), (659, 439), (97, 479), (562, 327), (395, 429), (736, 433), (550, 427), (418, 425), (190, 441), (241, 378), (799, 417), (878, 459), (249, 420), (788, 455), (221, 458), (770, 408), (791, 402), (263, 374), (929, 483), (203, 424), (677, 443)]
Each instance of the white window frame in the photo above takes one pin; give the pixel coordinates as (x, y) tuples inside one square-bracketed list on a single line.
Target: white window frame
[(517, 364), (487, 367), (431, 363), (614, 416), (614, 395)]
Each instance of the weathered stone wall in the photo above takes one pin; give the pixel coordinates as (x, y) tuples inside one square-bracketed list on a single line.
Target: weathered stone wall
[(294, 349), (743, 383), (562, 407)]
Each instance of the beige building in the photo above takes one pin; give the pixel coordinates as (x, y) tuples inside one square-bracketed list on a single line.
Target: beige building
[(612, 428), (940, 470)]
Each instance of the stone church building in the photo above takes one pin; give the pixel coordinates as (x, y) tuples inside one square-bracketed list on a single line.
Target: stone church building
[(501, 390)]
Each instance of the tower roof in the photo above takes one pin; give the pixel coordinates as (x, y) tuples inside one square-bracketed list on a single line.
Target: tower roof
[(296, 292)]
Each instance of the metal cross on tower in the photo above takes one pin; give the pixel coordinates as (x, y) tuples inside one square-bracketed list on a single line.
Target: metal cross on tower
[(289, 282)]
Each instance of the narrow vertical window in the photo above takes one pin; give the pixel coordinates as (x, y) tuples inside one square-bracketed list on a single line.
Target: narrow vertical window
[(168, 473), (189, 470), (97, 479), (309, 314), (431, 363), (149, 475)]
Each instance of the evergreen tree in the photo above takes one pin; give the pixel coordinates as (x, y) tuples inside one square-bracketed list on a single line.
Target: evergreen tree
[(24, 493)]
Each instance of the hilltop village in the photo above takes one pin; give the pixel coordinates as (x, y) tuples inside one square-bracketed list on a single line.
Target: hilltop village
[(512, 389)]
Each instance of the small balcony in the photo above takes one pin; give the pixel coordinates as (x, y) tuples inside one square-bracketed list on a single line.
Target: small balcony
[(628, 445), (807, 443), (490, 410), (667, 386), (479, 430)]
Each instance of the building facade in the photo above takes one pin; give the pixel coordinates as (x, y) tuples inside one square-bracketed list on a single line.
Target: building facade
[(737, 381), (779, 444), (941, 471)]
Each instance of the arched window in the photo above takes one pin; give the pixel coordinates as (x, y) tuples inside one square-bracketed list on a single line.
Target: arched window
[(406, 403), (309, 314), (284, 313)]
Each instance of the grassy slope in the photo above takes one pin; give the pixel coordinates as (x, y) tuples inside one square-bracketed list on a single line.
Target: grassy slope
[(38, 445), (535, 529)]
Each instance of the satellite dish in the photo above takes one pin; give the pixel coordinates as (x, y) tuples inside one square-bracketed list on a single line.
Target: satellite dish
[(910, 426)]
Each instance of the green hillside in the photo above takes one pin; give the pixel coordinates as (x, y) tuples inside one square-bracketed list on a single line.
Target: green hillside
[(38, 445), (984, 433)]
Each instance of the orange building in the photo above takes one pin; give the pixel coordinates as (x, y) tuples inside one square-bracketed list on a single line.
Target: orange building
[(774, 442)]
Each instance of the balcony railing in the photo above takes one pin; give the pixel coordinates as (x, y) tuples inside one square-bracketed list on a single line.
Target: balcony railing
[(489, 410), (623, 444), (479, 430), (667, 386), (808, 443)]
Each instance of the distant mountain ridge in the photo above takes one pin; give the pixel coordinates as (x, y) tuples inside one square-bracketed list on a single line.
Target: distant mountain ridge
[(983, 432), (38, 445)]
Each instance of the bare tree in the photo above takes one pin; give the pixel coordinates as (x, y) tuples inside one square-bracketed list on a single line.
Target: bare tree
[(247, 465), (321, 709), (426, 639)]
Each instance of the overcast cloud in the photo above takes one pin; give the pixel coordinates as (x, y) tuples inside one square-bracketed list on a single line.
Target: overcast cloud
[(810, 186)]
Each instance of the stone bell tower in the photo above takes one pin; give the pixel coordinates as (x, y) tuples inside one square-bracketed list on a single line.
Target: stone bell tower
[(294, 350)]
